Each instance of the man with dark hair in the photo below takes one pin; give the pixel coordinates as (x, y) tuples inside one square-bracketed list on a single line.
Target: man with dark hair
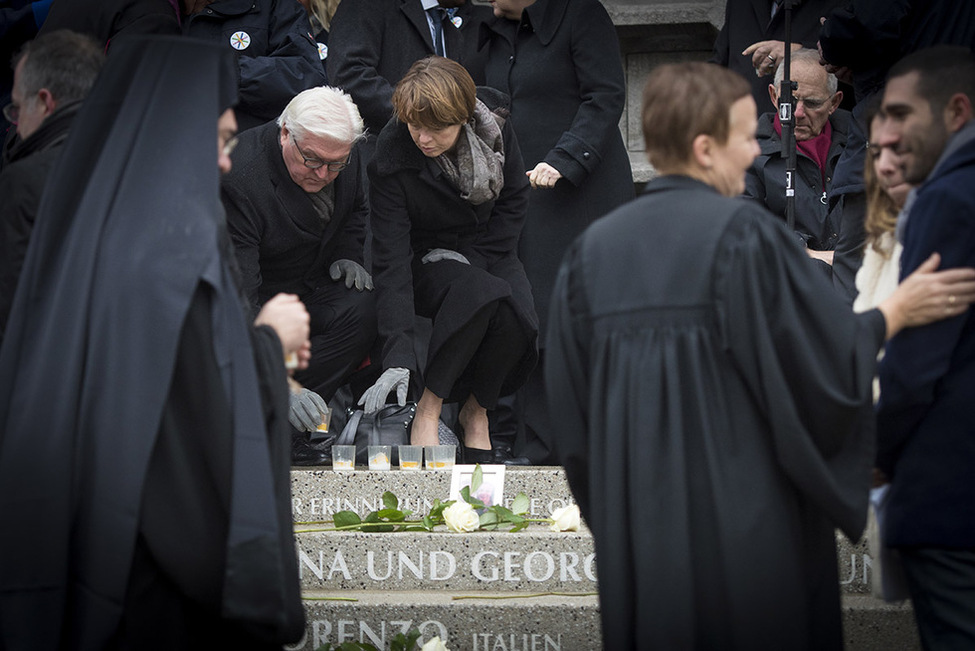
[(925, 420), (52, 75)]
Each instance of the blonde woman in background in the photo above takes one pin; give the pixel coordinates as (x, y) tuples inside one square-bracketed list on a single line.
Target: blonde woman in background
[(886, 193)]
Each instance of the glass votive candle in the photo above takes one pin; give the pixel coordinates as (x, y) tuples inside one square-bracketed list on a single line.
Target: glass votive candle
[(343, 457), (440, 457), (410, 456), (379, 456)]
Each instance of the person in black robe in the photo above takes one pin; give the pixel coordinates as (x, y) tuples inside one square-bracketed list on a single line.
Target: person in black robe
[(144, 448), (712, 395)]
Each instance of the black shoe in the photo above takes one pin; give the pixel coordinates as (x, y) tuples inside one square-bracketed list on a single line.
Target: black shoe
[(475, 455), (503, 454), (306, 453)]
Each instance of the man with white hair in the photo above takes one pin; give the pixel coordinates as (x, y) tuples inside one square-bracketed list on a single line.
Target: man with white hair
[(296, 211), (821, 129)]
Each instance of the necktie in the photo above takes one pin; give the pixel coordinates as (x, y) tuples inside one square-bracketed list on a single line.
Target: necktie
[(437, 14)]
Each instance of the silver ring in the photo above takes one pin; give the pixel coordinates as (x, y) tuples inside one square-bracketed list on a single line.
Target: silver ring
[(951, 299), (771, 58)]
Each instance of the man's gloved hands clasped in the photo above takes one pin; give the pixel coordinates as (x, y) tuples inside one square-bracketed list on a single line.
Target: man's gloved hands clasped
[(354, 274), (392, 378), (436, 255), (306, 410)]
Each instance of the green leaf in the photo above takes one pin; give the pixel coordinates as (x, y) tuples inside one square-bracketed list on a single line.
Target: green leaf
[(521, 504), (477, 477), (391, 515), (436, 511), (390, 501), (465, 494), (372, 516), (405, 642), (346, 518), (489, 519), (518, 527), (379, 527), (428, 523)]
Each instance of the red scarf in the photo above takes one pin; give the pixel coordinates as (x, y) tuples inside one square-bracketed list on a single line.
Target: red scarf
[(817, 149)]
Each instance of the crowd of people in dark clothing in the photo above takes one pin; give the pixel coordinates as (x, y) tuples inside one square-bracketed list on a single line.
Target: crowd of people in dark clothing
[(431, 201)]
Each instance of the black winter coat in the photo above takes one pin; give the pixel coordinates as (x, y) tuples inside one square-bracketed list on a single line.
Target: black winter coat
[(416, 209), (747, 22), (27, 164), (372, 43), (765, 181), (282, 244), (561, 67), (278, 56)]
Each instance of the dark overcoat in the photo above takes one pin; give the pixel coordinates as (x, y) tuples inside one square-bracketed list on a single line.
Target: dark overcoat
[(282, 244), (416, 209), (749, 21), (713, 406), (372, 43), (925, 419), (277, 55), (561, 67), (27, 165), (765, 182)]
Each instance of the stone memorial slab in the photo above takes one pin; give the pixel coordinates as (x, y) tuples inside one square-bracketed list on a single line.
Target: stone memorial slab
[(316, 494), (532, 560)]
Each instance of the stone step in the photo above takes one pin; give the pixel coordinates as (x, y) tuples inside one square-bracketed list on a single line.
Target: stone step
[(317, 493), (485, 621), (532, 560)]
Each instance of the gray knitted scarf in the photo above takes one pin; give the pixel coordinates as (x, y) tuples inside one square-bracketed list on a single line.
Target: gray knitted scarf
[(476, 165)]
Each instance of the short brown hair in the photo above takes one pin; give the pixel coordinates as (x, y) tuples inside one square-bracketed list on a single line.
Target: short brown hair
[(684, 100), (435, 93)]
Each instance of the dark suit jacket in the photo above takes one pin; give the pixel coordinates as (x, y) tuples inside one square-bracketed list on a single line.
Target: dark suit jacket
[(282, 244), (372, 43)]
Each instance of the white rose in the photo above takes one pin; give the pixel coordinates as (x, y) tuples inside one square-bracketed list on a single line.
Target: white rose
[(460, 517), (434, 643), (565, 518)]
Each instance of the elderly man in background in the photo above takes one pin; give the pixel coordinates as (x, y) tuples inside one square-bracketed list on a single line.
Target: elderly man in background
[(52, 75), (821, 129), (296, 212)]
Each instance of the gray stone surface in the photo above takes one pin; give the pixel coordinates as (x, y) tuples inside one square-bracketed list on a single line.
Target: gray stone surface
[(544, 623), (316, 494), (494, 621), (532, 560)]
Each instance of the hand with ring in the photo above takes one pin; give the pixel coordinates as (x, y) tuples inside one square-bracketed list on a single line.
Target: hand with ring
[(766, 54)]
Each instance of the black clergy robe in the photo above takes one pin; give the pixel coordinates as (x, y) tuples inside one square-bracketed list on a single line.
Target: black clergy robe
[(143, 430), (712, 399)]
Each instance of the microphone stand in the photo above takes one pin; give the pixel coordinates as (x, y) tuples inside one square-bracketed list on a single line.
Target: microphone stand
[(788, 121)]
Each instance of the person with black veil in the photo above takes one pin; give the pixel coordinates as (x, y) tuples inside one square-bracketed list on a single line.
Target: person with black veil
[(144, 449)]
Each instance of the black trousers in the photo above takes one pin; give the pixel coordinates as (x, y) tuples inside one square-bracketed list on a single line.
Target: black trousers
[(942, 586), (478, 357), (343, 331)]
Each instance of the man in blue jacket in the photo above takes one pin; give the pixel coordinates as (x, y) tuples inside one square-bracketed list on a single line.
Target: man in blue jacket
[(926, 418)]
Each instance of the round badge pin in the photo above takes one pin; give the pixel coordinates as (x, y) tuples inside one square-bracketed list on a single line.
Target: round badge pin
[(240, 40), (457, 21), (322, 51)]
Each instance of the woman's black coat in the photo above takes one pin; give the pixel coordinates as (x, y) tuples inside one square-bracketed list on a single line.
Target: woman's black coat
[(416, 209), (561, 67)]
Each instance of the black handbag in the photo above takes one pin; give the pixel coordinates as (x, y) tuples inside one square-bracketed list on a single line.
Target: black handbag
[(388, 426)]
